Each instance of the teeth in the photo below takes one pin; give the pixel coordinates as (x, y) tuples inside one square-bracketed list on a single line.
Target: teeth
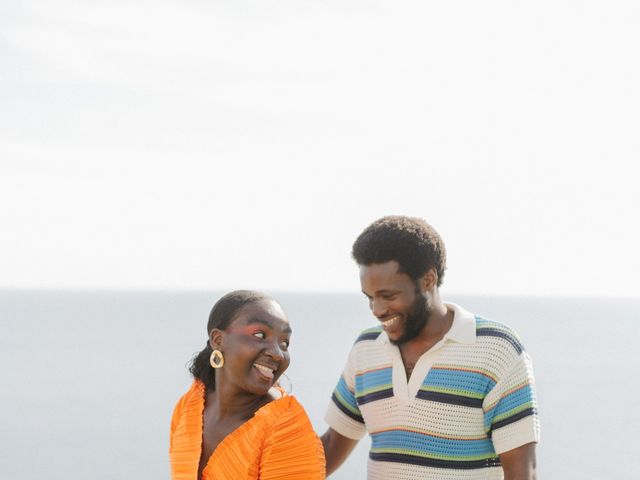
[(391, 321), (264, 369)]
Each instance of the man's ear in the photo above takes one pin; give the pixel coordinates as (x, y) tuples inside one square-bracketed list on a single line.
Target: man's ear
[(216, 339), (429, 280)]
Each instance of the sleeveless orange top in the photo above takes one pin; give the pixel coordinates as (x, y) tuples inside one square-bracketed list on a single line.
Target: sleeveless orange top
[(278, 442)]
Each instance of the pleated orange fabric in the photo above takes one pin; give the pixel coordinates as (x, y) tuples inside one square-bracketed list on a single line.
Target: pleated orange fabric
[(278, 442)]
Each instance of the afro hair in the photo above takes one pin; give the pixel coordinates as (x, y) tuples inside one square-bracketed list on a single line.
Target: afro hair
[(410, 241)]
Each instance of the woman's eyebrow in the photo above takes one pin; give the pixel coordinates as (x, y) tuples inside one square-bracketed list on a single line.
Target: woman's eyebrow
[(269, 324)]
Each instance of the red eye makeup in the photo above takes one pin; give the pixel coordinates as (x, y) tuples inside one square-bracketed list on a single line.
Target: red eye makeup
[(248, 330)]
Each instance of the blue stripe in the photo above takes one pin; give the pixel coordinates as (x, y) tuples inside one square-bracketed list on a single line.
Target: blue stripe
[(513, 400), (485, 322), (430, 445), (345, 410), (488, 328), (343, 393), (474, 383), (373, 380), (369, 334)]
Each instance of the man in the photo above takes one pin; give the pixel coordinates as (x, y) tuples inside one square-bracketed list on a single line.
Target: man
[(444, 394)]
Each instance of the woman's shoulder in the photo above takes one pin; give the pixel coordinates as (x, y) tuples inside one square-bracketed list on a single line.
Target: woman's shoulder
[(284, 416), (286, 405), (196, 390), (187, 417), (192, 397), (292, 444)]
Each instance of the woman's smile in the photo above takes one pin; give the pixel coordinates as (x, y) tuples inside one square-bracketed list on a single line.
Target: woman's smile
[(266, 372)]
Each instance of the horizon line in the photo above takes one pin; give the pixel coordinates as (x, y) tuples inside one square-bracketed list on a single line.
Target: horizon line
[(277, 291)]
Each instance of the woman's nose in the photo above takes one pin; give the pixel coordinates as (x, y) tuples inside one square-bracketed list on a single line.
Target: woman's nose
[(275, 351)]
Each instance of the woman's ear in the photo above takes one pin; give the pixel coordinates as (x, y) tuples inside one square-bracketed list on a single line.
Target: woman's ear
[(216, 337)]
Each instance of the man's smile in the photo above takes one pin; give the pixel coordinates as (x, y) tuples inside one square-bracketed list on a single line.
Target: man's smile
[(390, 322)]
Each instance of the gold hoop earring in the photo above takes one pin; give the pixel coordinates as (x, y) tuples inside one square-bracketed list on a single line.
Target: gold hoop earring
[(216, 359), (288, 386)]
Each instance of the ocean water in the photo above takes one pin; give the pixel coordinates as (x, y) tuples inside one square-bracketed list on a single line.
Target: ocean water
[(89, 379)]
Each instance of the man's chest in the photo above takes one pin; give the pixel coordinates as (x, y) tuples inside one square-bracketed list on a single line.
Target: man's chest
[(439, 376)]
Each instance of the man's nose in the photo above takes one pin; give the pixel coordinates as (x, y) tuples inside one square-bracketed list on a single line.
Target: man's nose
[(378, 307)]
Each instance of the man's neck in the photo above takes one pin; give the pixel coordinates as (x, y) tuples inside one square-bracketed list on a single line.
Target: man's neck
[(439, 322), (437, 326)]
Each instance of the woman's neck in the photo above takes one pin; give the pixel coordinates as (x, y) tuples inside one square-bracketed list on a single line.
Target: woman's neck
[(227, 402)]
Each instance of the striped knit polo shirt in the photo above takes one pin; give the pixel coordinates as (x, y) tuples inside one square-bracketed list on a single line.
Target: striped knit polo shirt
[(470, 398)]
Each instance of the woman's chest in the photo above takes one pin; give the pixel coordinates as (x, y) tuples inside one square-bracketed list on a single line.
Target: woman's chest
[(213, 433)]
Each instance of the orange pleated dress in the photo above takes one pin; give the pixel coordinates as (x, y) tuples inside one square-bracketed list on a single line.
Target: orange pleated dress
[(278, 442)]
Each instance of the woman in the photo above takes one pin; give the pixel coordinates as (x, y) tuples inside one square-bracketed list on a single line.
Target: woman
[(233, 424)]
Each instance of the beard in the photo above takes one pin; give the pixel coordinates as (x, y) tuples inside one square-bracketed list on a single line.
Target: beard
[(416, 318)]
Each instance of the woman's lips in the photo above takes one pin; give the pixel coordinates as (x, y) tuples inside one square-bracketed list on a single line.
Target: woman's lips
[(265, 372)]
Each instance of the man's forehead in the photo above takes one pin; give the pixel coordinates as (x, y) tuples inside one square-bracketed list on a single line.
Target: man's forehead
[(378, 278), (389, 268)]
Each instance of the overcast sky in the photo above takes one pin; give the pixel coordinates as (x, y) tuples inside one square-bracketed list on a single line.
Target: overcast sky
[(229, 144)]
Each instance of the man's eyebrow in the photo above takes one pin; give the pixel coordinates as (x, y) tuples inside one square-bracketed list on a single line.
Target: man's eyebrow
[(384, 291), (269, 324)]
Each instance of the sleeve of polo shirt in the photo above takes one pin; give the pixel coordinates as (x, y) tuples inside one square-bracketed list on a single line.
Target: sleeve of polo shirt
[(510, 409), (343, 413)]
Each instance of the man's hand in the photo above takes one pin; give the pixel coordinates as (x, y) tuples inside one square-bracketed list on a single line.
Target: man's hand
[(520, 463), (336, 449)]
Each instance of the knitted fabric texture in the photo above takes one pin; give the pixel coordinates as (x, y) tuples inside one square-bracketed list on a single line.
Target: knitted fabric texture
[(469, 398)]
